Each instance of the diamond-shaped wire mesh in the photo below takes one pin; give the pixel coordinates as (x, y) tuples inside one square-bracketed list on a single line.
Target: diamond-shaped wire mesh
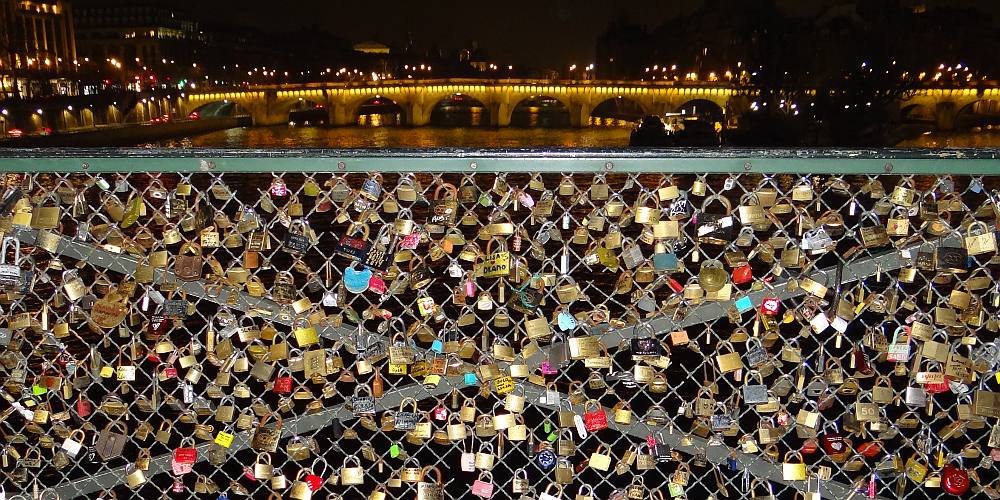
[(171, 310)]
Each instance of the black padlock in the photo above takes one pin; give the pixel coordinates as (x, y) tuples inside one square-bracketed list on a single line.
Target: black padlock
[(337, 427)]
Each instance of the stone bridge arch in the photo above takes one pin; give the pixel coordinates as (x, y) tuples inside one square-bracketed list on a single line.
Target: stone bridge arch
[(703, 108), (255, 104), (519, 100), (978, 113), (459, 99), (618, 108)]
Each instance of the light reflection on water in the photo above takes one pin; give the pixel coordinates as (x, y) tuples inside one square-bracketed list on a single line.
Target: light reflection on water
[(612, 133), (402, 137), (963, 139)]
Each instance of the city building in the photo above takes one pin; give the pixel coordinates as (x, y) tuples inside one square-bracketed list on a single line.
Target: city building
[(37, 48), (142, 39)]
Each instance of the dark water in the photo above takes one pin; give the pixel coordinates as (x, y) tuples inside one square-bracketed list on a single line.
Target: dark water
[(512, 137)]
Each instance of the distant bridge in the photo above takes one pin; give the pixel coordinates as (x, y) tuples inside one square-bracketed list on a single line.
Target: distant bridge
[(271, 104)]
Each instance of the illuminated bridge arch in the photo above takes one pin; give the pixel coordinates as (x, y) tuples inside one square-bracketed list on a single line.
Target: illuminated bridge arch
[(380, 111), (223, 108), (978, 113), (618, 110), (704, 109), (540, 111), (458, 110)]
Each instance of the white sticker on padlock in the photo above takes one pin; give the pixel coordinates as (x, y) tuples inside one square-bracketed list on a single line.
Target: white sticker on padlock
[(722, 223), (72, 448), (819, 323), (126, 373), (839, 324)]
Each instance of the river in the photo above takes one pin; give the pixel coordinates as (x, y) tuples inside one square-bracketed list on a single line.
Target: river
[(403, 137), (430, 137)]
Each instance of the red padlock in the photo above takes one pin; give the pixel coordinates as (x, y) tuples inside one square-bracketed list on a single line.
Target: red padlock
[(954, 480), (84, 407), (376, 284), (861, 362), (157, 326), (440, 414), (833, 442), (186, 455), (315, 482), (283, 385), (596, 419), (809, 446), (870, 449), (770, 306), (742, 274), (935, 388)]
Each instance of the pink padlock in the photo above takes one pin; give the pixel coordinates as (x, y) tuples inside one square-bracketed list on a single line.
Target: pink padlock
[(179, 468), (470, 287), (483, 486), (278, 187)]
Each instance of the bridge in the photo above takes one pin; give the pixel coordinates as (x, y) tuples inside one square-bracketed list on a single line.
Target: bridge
[(269, 105), (943, 109)]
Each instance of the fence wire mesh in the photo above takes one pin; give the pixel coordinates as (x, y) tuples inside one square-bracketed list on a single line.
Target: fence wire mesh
[(729, 327)]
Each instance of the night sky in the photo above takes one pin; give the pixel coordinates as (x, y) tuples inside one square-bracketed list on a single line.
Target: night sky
[(548, 33)]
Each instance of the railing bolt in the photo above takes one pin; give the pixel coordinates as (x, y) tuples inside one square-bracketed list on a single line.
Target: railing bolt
[(888, 167), (341, 166), (747, 166), (609, 166), (474, 165), (85, 165)]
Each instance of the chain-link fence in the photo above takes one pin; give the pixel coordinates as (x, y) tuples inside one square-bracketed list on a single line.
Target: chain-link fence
[(574, 331)]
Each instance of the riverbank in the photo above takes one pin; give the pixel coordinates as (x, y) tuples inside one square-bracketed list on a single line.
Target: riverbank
[(125, 135)]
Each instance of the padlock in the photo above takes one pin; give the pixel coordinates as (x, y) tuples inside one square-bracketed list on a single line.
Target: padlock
[(352, 473), (300, 488), (483, 485), (427, 490)]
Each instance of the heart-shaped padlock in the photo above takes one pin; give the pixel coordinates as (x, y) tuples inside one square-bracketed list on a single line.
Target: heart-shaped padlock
[(712, 276), (954, 480)]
